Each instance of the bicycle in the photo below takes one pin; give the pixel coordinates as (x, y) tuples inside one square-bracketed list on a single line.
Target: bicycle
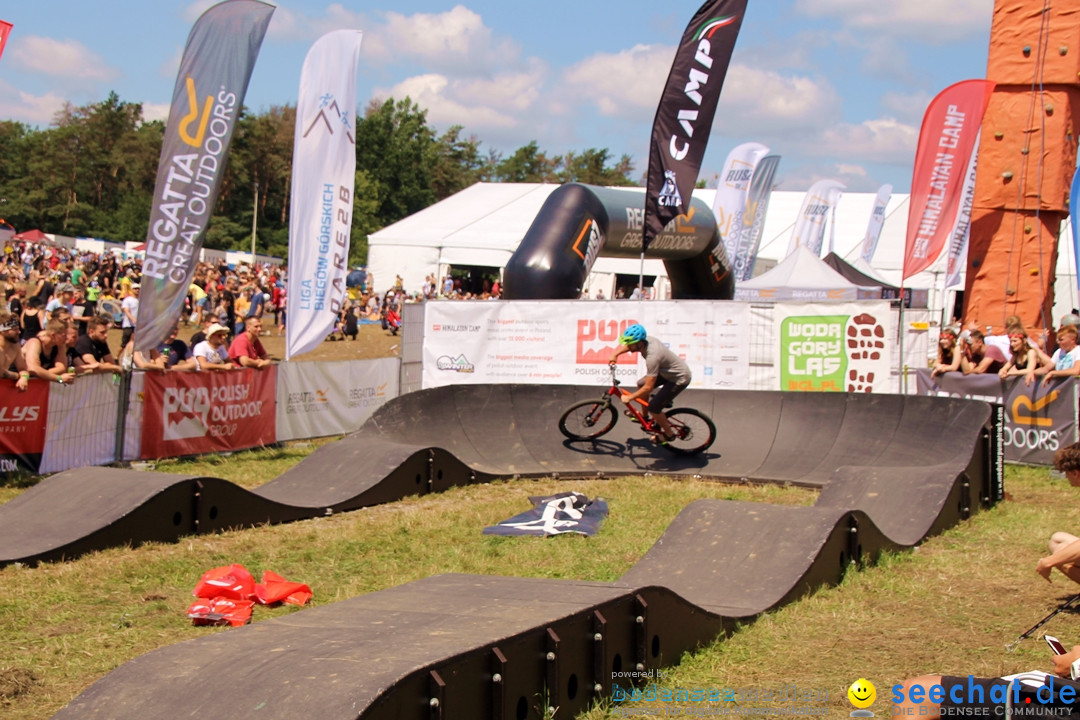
[(590, 419)]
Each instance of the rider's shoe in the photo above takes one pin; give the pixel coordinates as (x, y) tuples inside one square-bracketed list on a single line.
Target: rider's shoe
[(661, 439)]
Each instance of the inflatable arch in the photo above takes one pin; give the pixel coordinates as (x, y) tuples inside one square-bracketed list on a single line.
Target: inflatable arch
[(579, 223)]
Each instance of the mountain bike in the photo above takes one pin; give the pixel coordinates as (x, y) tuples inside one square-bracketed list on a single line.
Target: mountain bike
[(590, 419)]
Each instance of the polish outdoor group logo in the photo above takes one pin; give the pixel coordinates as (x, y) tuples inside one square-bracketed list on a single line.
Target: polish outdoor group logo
[(598, 339), (185, 413)]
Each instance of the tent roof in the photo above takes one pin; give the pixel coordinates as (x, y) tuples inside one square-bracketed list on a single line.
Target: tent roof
[(854, 274), (801, 275)]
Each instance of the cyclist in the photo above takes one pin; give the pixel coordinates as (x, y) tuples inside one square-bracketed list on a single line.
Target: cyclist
[(666, 375)]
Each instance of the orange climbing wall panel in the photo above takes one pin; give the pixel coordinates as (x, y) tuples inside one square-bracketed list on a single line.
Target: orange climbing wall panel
[(1016, 25), (1007, 277), (1043, 123)]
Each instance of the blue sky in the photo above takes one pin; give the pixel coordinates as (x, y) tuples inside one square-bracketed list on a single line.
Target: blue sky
[(836, 87)]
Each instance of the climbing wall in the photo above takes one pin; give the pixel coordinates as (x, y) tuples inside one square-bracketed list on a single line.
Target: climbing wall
[(1027, 155)]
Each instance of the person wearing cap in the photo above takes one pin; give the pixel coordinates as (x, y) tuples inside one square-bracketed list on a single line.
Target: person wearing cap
[(129, 308), (65, 298), (212, 353), (948, 357), (12, 362)]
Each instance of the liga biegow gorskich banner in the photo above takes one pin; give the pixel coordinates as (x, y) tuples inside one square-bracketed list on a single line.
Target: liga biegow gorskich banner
[(206, 103)]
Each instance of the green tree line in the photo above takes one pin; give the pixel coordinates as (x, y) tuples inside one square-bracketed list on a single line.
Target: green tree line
[(92, 172)]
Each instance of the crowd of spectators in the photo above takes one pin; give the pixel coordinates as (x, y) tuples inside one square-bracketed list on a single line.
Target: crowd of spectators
[(1019, 353), (61, 303)]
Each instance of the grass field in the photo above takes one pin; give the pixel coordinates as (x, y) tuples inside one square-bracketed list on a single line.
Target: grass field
[(949, 606)]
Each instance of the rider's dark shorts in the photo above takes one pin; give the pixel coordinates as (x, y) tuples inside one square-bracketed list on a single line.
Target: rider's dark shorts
[(662, 395)]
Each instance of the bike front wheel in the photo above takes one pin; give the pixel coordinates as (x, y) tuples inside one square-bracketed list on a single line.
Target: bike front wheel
[(694, 431), (587, 419)]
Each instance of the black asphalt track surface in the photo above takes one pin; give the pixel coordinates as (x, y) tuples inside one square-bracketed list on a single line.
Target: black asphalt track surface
[(892, 470)]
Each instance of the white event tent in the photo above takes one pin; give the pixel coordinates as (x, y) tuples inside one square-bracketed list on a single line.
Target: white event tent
[(483, 224)]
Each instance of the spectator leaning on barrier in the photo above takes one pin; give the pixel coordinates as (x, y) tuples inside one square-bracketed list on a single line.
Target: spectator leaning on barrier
[(948, 355), (246, 349), (978, 357), (93, 347), (46, 354), (1065, 361), (211, 353), (11, 352)]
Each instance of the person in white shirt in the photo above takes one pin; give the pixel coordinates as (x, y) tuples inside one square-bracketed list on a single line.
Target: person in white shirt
[(212, 353)]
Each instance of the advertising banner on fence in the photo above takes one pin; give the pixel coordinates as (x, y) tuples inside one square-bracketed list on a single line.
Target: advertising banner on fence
[(320, 399), (23, 416), (569, 342), (1039, 418), (834, 347), (82, 423), (189, 413)]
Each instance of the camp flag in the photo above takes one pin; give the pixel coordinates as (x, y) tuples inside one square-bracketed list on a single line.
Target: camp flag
[(809, 230), (1074, 222), (946, 143), (757, 203), (206, 103), (729, 203), (324, 169), (877, 220), (685, 114), (961, 234), (5, 31)]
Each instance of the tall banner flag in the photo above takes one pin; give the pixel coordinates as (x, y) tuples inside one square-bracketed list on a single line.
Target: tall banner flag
[(961, 233), (206, 103), (324, 170), (946, 142), (1074, 222), (877, 221), (684, 116), (757, 203), (729, 203), (809, 228), (5, 31)]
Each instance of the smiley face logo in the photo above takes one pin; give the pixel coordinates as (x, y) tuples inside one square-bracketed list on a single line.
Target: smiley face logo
[(862, 693)]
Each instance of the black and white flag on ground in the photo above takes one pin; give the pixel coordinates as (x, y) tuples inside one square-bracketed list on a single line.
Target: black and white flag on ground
[(568, 512)]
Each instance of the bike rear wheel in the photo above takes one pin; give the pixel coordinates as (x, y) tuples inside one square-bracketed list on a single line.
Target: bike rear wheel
[(587, 419), (694, 431)]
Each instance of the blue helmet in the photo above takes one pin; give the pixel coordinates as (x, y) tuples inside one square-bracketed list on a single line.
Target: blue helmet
[(633, 334)]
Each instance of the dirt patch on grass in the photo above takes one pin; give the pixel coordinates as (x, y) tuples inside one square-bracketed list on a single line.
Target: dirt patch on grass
[(15, 682)]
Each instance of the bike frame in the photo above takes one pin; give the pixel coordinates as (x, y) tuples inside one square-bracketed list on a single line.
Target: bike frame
[(615, 393)]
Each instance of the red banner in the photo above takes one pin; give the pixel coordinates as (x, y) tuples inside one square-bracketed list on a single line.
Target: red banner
[(5, 30), (23, 418), (946, 143), (190, 413)]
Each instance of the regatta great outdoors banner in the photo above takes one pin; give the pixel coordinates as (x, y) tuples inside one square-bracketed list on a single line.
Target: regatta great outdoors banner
[(961, 234), (324, 168), (946, 142), (809, 228), (729, 203), (877, 220), (757, 203), (206, 104), (5, 31), (684, 116)]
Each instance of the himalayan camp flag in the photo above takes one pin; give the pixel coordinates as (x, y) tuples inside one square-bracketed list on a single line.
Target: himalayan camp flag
[(946, 143), (209, 93), (5, 31), (684, 116), (757, 203), (809, 230), (960, 237), (324, 168)]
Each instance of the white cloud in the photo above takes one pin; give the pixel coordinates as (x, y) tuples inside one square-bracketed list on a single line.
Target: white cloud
[(442, 98), (931, 21), (155, 111), (31, 109), (875, 141), (765, 102), (629, 81), (65, 59), (453, 41)]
